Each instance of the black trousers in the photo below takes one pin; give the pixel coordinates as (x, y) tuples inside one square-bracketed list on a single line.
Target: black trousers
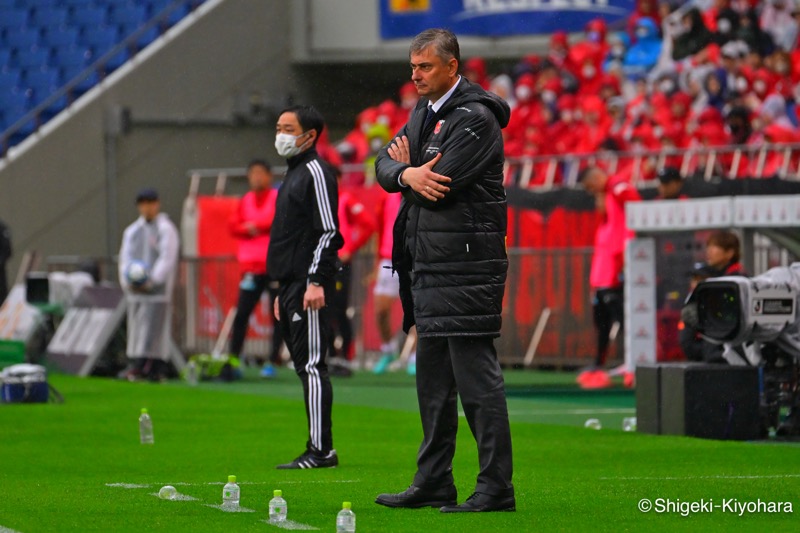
[(248, 299), (607, 308), (467, 367), (307, 335), (340, 322)]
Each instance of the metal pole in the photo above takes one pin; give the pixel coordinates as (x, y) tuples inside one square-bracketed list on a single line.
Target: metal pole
[(115, 125), (111, 195)]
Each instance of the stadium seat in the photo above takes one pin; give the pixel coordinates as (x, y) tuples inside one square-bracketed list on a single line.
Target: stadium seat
[(158, 6), (5, 57), (60, 37), (131, 17), (32, 58), (42, 83), (21, 38), (128, 14), (48, 17), (9, 80), (73, 61), (8, 4), (33, 5), (145, 39), (88, 17), (76, 4), (103, 39), (13, 18), (41, 77), (15, 105)]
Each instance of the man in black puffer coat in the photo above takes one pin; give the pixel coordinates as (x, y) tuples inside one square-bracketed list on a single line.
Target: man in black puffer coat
[(450, 255)]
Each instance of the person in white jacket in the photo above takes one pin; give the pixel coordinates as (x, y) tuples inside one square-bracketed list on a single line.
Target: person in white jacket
[(148, 264)]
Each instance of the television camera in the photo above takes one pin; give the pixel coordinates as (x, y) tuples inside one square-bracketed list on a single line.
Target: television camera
[(756, 320)]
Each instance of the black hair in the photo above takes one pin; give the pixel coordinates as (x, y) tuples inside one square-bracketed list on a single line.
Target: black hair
[(259, 163), (444, 42), (308, 117), (584, 172)]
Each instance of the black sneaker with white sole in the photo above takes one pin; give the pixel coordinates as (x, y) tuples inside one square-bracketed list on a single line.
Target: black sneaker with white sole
[(312, 460)]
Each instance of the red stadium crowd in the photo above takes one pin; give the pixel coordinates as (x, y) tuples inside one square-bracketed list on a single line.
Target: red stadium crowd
[(676, 76)]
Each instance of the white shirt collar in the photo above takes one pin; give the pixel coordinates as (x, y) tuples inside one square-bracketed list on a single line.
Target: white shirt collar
[(441, 101)]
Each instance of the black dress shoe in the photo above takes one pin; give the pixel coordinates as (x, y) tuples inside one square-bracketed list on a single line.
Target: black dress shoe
[(414, 497), (482, 503)]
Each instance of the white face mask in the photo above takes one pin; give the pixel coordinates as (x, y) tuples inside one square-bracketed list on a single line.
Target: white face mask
[(523, 93), (286, 144)]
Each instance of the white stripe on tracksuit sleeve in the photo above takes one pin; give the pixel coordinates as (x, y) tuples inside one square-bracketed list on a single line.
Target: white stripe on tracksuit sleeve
[(325, 213)]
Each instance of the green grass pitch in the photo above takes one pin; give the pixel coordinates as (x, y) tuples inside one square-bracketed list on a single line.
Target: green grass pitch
[(78, 466)]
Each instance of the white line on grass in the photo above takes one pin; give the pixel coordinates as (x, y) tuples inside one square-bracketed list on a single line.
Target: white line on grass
[(178, 497), (148, 485), (9, 530), (611, 411), (671, 478), (304, 482), (227, 509), (291, 524)]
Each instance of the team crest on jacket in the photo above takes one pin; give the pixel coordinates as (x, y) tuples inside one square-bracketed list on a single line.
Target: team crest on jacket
[(438, 127)]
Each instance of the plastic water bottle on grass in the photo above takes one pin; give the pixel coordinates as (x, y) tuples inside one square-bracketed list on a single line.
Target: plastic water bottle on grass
[(191, 373), (230, 493), (145, 427), (593, 423), (277, 507), (346, 519)]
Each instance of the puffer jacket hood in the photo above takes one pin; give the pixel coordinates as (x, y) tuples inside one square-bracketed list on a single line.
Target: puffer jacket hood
[(472, 92)]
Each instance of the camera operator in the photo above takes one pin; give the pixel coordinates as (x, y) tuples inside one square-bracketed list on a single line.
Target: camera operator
[(722, 259)]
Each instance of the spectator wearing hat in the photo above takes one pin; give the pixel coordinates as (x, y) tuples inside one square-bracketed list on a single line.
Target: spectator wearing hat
[(475, 71), (408, 101), (148, 266), (558, 50), (732, 60), (502, 86), (693, 37), (644, 54), (644, 9), (758, 41), (618, 44), (723, 20), (670, 184)]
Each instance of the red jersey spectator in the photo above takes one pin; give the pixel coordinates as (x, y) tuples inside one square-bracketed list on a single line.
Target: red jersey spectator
[(475, 71), (644, 8), (558, 51), (250, 224), (387, 285), (356, 224), (611, 194)]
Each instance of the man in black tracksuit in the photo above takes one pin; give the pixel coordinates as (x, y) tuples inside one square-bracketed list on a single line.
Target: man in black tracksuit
[(450, 255), (302, 258)]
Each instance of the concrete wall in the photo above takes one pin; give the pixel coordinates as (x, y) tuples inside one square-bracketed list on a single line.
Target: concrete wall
[(181, 99)]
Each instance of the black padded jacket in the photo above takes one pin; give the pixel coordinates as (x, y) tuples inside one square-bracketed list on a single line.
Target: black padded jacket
[(451, 254)]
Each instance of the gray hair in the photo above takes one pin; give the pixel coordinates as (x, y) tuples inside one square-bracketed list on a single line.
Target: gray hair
[(444, 42)]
